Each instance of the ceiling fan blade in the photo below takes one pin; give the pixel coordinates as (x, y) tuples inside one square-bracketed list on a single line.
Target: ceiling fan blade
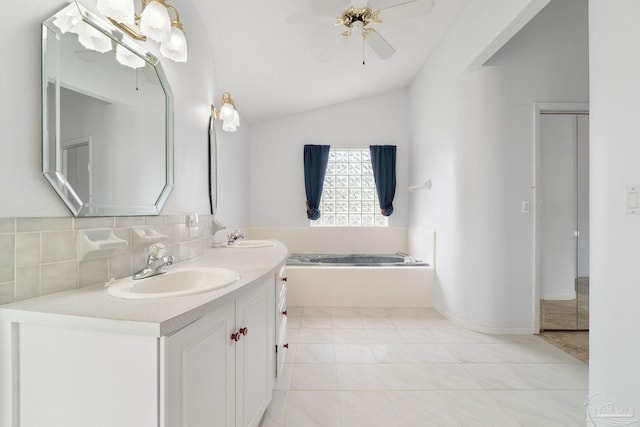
[(424, 6), (305, 18), (379, 44), (331, 50), (408, 10)]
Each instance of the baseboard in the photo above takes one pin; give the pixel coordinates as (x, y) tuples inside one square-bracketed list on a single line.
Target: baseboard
[(560, 297), (482, 328)]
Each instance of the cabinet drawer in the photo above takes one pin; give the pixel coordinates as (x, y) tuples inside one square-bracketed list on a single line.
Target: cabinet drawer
[(281, 290), (281, 346)]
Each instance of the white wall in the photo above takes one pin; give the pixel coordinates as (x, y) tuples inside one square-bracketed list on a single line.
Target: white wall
[(277, 188), (277, 195), (193, 88), (472, 134), (615, 236), (233, 175)]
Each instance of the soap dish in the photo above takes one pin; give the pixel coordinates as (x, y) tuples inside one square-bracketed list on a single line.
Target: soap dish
[(98, 243), (143, 236)]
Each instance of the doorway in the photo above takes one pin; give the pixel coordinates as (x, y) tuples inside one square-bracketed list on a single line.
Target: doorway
[(563, 220), (76, 166)]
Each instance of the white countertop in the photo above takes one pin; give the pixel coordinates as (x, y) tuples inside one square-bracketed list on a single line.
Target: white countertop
[(92, 308)]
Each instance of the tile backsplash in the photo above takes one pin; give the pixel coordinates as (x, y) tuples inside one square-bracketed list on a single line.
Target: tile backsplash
[(38, 256)]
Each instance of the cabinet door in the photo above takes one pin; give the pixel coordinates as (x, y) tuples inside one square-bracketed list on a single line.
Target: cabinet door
[(200, 372), (253, 392)]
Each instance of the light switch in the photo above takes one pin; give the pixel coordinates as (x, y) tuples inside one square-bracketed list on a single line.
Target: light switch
[(525, 206), (632, 200)]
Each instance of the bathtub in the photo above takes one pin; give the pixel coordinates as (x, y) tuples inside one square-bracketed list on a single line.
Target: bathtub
[(358, 280)]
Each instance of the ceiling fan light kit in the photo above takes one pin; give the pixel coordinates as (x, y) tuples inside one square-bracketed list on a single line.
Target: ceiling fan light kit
[(362, 19), (353, 15)]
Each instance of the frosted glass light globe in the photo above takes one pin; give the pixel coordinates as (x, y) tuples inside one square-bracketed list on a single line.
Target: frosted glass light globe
[(125, 57), (226, 112), (120, 10), (155, 22), (91, 38), (176, 47)]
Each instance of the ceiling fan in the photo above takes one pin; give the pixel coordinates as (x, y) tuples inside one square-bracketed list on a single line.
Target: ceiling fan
[(362, 20)]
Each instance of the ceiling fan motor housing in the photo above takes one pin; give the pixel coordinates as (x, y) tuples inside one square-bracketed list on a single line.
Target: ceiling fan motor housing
[(354, 15)]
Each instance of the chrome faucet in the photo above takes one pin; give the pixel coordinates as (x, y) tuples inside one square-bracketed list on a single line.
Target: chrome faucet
[(156, 263), (408, 259), (233, 236)]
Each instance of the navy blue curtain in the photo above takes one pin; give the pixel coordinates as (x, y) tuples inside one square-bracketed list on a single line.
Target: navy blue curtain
[(383, 160), (315, 166)]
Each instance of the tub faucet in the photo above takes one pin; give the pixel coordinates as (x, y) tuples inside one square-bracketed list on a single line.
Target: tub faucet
[(233, 236), (156, 262), (408, 259)]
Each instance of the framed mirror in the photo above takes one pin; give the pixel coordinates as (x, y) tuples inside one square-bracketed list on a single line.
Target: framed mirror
[(107, 118), (213, 167)]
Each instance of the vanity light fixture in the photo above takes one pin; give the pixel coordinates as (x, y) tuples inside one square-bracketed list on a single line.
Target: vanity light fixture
[(227, 113), (70, 20), (152, 22), (91, 38)]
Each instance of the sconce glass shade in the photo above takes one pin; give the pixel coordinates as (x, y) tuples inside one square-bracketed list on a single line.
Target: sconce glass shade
[(226, 112), (236, 118), (232, 125), (155, 22), (91, 38), (66, 19), (120, 10), (228, 127), (127, 58), (176, 47)]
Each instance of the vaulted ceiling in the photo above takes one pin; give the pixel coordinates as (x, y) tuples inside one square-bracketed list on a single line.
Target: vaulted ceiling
[(272, 68)]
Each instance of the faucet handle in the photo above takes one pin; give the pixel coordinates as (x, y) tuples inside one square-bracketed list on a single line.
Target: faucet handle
[(156, 250)]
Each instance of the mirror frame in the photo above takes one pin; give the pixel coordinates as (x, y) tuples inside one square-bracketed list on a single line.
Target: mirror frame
[(213, 167), (54, 175)]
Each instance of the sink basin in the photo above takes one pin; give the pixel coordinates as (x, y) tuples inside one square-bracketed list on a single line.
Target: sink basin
[(251, 244), (175, 282)]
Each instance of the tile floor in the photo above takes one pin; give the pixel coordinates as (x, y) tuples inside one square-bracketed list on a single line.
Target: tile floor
[(350, 367)]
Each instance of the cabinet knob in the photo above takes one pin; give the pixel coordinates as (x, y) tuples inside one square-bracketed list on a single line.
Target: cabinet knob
[(286, 345), (243, 331), (284, 313), (284, 279), (235, 336)]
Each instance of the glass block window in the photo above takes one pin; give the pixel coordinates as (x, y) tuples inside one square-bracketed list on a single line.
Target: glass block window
[(349, 197)]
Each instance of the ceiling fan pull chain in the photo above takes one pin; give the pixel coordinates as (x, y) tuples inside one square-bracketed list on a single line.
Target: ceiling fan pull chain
[(363, 49)]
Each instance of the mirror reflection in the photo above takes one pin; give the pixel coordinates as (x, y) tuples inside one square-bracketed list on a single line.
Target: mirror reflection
[(107, 118)]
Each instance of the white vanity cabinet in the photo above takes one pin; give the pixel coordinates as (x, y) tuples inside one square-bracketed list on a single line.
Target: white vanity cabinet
[(69, 377), (218, 369)]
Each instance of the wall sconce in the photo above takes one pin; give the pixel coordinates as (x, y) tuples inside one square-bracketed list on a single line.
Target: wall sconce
[(153, 22), (227, 113)]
